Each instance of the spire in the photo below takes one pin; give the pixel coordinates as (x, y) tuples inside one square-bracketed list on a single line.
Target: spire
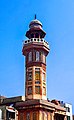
[(35, 16)]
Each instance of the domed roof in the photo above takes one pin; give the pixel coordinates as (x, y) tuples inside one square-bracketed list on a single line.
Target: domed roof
[(35, 26), (34, 23)]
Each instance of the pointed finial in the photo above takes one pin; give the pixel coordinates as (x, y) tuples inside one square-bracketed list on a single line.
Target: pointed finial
[(35, 16)]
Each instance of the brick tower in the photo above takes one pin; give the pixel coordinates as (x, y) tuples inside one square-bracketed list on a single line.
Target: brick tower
[(36, 106), (35, 50)]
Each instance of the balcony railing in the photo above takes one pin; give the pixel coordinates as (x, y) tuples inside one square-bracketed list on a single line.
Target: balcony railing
[(37, 40)]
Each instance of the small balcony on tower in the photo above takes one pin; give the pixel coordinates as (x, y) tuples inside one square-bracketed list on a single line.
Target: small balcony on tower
[(36, 40)]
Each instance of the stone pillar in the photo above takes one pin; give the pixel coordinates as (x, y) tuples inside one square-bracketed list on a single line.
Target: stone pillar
[(40, 115), (52, 116)]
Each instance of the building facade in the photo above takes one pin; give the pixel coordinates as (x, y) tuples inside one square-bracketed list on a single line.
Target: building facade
[(68, 111), (7, 109)]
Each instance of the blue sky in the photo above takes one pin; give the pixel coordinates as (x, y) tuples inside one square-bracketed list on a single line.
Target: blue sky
[(57, 17)]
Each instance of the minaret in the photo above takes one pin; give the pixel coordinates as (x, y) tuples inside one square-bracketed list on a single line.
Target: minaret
[(35, 50), (36, 105)]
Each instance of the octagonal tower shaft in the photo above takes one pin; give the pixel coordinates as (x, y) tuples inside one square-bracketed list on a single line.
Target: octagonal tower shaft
[(35, 50)]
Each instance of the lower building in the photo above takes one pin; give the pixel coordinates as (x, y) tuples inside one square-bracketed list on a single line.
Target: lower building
[(7, 109), (40, 110), (68, 108), (68, 111), (8, 113), (17, 108)]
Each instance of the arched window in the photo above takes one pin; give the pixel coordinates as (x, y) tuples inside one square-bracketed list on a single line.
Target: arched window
[(37, 56), (30, 56), (28, 116), (29, 90), (37, 89), (21, 116), (29, 75), (34, 116), (32, 35), (44, 58), (36, 35), (41, 56)]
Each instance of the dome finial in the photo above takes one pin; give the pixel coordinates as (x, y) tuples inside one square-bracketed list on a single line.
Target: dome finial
[(35, 16)]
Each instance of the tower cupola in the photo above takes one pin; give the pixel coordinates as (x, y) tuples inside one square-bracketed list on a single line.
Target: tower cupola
[(35, 23), (35, 30)]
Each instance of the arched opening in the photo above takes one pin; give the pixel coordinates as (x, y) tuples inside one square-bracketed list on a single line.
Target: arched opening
[(36, 35), (30, 56), (37, 56), (32, 35)]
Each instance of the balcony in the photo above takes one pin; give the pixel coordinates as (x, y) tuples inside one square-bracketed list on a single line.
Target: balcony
[(36, 40)]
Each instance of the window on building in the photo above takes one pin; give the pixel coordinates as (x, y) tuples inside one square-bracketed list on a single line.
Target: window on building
[(37, 82), (34, 116), (21, 116), (28, 116), (37, 55), (36, 35), (29, 83), (40, 55), (30, 56), (37, 89), (37, 69), (29, 90), (44, 90), (11, 115), (68, 117), (67, 109), (43, 76), (44, 58), (29, 75), (37, 73), (32, 35), (29, 69)]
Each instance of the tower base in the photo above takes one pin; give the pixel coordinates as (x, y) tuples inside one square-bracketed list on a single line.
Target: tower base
[(40, 110)]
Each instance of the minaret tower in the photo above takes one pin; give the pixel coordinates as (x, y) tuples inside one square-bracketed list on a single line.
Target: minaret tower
[(35, 50), (36, 105)]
